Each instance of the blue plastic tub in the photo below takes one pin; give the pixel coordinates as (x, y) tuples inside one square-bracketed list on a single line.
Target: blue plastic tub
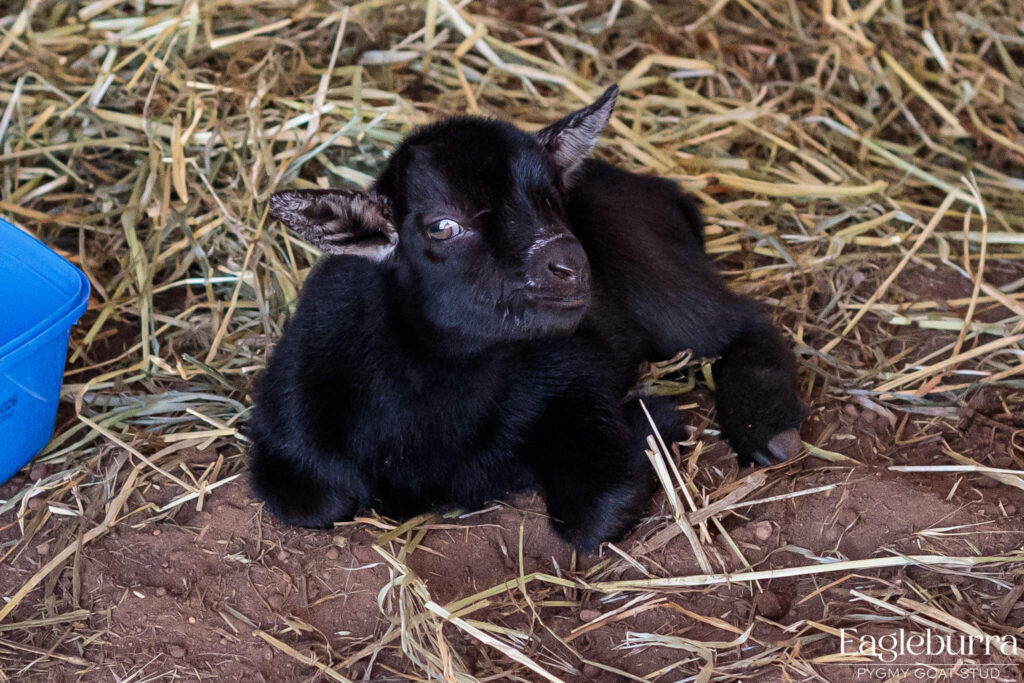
[(41, 296)]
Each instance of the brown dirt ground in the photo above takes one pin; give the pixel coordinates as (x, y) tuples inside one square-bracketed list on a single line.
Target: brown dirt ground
[(185, 595), (182, 596)]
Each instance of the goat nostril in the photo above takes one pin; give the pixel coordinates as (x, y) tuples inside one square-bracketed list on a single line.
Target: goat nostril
[(562, 271)]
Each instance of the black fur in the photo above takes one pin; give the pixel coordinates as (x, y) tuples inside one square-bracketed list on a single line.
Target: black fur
[(428, 373)]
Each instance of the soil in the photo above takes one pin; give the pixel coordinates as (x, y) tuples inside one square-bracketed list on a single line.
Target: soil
[(187, 593), (205, 591), (216, 589)]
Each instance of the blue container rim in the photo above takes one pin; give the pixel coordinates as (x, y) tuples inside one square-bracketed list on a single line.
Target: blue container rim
[(65, 316)]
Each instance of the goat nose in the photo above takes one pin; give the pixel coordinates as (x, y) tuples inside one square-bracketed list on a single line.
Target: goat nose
[(563, 270), (559, 269)]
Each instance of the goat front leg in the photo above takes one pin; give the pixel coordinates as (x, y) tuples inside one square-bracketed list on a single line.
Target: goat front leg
[(756, 388), (756, 394), (595, 477), (305, 492)]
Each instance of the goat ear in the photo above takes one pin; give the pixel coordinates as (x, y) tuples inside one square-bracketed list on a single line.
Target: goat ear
[(570, 140), (338, 221)]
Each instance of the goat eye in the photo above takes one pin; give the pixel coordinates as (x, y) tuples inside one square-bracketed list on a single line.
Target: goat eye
[(444, 229)]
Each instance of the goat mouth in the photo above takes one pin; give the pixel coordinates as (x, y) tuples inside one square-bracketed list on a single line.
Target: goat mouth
[(562, 302)]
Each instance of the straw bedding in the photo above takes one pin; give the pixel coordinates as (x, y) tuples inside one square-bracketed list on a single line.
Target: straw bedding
[(861, 167)]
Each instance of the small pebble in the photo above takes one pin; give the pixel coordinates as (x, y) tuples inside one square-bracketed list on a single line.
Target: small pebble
[(161, 591), (176, 651), (333, 554), (191, 620), (282, 556), (986, 483), (770, 605), (763, 530), (1011, 509), (268, 655), (156, 532), (276, 600), (165, 565), (37, 472), (43, 548), (589, 614), (830, 534), (847, 517), (36, 504), (851, 410)]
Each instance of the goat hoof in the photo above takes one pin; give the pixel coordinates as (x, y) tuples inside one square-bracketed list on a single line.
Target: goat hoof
[(785, 445)]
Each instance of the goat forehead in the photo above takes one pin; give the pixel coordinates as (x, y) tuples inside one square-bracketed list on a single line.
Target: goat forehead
[(470, 182), (531, 170)]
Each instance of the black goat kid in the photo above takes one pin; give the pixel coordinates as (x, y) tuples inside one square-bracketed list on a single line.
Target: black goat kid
[(476, 322)]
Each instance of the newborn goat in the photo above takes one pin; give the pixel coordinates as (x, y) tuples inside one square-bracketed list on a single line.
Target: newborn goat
[(476, 322)]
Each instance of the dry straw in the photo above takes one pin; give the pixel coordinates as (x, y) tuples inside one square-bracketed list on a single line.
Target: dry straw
[(838, 147)]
